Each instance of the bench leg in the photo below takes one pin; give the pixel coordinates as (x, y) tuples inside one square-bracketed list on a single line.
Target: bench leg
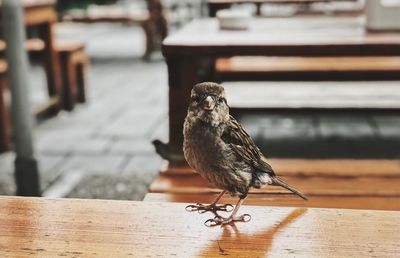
[(81, 71), (149, 33), (156, 28), (68, 81), (5, 128), (51, 61)]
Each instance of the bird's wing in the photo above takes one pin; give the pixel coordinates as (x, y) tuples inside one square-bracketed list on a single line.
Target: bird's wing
[(244, 147)]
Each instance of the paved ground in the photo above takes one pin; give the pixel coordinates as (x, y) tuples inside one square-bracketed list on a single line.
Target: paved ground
[(103, 148)]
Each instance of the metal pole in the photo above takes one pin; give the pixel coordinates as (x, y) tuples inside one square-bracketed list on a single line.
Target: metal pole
[(26, 168)]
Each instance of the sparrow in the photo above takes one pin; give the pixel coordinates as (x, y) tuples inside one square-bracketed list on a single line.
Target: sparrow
[(217, 147)]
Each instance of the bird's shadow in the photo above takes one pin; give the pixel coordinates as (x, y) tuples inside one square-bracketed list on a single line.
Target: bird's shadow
[(253, 243)]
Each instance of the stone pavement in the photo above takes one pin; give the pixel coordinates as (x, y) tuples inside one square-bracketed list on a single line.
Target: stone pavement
[(103, 148)]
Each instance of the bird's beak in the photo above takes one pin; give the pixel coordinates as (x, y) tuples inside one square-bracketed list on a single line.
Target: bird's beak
[(208, 104)]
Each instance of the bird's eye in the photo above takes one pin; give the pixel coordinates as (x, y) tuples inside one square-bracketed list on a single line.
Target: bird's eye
[(195, 99)]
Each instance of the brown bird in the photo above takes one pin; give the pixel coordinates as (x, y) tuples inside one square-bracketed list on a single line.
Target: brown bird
[(218, 148)]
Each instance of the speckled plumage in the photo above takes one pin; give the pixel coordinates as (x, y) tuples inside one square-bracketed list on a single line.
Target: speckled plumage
[(219, 149)]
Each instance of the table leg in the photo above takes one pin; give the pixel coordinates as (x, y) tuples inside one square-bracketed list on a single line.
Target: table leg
[(182, 75), (5, 121), (51, 59), (69, 81), (148, 28), (258, 9)]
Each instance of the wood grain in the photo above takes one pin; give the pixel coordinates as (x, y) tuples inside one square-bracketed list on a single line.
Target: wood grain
[(286, 200), (303, 64), (326, 186), (323, 167), (262, 68), (96, 228), (357, 184)]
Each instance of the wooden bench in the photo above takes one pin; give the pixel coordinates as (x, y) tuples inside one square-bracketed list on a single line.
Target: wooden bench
[(307, 68), (348, 183), (324, 95), (32, 45), (73, 62), (89, 228)]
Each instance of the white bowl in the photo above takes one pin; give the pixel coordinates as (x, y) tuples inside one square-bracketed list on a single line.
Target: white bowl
[(233, 19)]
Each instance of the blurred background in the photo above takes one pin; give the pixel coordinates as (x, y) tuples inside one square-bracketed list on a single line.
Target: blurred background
[(98, 88)]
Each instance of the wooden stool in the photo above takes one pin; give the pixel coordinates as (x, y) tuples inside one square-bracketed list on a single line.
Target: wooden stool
[(74, 63), (36, 49), (5, 132)]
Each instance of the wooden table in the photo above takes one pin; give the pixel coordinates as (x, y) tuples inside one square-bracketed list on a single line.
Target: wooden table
[(202, 41), (215, 5), (41, 14), (96, 228)]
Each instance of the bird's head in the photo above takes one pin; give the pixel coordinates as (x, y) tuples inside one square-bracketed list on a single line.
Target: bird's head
[(208, 103)]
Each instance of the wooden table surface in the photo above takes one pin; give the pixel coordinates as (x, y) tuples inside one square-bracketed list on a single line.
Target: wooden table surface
[(34, 227), (188, 50)]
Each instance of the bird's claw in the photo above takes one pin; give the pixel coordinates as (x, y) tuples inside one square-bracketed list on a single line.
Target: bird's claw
[(218, 220), (201, 208)]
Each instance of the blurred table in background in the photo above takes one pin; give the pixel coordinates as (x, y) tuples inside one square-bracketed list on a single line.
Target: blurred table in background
[(201, 42), (215, 5), (90, 228)]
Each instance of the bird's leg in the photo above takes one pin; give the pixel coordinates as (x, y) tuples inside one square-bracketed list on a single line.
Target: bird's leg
[(218, 220), (213, 207)]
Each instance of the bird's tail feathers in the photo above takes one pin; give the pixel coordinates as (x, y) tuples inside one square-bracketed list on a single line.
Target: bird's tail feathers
[(279, 182)]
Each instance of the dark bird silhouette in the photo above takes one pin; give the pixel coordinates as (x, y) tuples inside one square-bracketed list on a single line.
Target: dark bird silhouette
[(168, 153), (218, 148)]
